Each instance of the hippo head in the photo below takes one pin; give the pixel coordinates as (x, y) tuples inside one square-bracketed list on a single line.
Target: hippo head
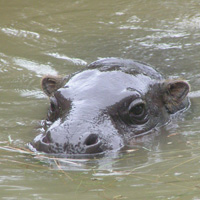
[(102, 107)]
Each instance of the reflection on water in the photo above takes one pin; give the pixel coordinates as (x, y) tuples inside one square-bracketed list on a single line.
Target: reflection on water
[(50, 37)]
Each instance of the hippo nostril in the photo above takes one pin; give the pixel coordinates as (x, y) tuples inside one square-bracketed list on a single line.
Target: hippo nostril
[(91, 140), (93, 144), (46, 139)]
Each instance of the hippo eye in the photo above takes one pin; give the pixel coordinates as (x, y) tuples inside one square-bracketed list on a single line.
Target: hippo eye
[(137, 110)]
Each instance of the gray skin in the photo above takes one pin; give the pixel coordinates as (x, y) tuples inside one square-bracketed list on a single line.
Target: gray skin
[(106, 105)]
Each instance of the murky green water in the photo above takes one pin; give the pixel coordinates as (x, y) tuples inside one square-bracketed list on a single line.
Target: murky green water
[(60, 37)]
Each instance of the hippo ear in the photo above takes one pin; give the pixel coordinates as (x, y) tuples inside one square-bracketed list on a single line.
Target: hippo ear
[(174, 93), (51, 83)]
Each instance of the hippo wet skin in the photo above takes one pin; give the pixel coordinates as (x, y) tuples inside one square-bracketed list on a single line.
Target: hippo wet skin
[(105, 105)]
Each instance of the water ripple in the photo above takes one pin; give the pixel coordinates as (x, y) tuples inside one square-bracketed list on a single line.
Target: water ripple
[(20, 33), (39, 69), (75, 61)]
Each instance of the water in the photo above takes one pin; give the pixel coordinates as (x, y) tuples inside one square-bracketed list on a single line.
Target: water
[(60, 37)]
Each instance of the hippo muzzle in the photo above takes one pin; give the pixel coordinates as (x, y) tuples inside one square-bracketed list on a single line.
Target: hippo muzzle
[(89, 145)]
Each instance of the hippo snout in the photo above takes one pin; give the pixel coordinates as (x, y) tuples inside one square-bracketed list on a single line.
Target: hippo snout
[(90, 143)]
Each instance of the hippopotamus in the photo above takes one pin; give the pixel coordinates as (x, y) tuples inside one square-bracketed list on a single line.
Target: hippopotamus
[(104, 106)]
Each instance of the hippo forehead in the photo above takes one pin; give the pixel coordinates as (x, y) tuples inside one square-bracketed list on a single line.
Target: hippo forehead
[(104, 88)]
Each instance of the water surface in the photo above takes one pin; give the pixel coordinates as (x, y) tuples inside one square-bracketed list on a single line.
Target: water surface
[(61, 37)]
